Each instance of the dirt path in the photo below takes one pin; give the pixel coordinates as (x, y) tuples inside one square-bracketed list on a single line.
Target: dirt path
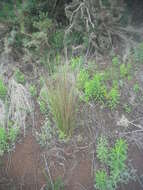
[(23, 169), (24, 165)]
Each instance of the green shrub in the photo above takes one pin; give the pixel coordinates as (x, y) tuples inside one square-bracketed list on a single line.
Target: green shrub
[(76, 62), (43, 106), (117, 160), (82, 78), (33, 90), (102, 149), (136, 88), (44, 137), (3, 90), (12, 134), (127, 108), (115, 61), (113, 97), (3, 140), (7, 138), (19, 76), (57, 39), (114, 160), (125, 70), (6, 12), (101, 180), (95, 88), (43, 99), (139, 53), (55, 185)]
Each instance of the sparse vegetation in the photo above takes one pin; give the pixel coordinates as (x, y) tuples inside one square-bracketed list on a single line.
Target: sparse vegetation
[(70, 70), (125, 70), (113, 97), (7, 138), (127, 108), (3, 89), (136, 88), (43, 99), (76, 62), (3, 141), (139, 53), (33, 90), (44, 137), (114, 159), (82, 78), (115, 61), (13, 133), (56, 185), (19, 76)]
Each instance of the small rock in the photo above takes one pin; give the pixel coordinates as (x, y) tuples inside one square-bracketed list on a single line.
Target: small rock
[(124, 122)]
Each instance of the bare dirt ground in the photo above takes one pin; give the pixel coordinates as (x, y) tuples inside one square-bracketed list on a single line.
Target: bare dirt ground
[(24, 169)]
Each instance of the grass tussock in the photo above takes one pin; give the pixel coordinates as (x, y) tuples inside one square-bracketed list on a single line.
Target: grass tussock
[(63, 102), (20, 104)]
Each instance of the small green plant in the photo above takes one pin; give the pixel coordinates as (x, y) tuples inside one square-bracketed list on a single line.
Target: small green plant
[(127, 108), (12, 134), (82, 78), (19, 76), (113, 97), (95, 88), (136, 88), (76, 62), (114, 160), (43, 106), (55, 185), (43, 100), (101, 180), (3, 90), (56, 39), (125, 70), (102, 149), (3, 141), (45, 136), (7, 137), (33, 90), (115, 61), (139, 53)]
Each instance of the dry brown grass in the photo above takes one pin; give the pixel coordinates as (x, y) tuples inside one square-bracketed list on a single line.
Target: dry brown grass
[(20, 104)]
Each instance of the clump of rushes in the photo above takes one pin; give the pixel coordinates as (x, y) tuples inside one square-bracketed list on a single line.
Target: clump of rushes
[(63, 102), (3, 89)]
